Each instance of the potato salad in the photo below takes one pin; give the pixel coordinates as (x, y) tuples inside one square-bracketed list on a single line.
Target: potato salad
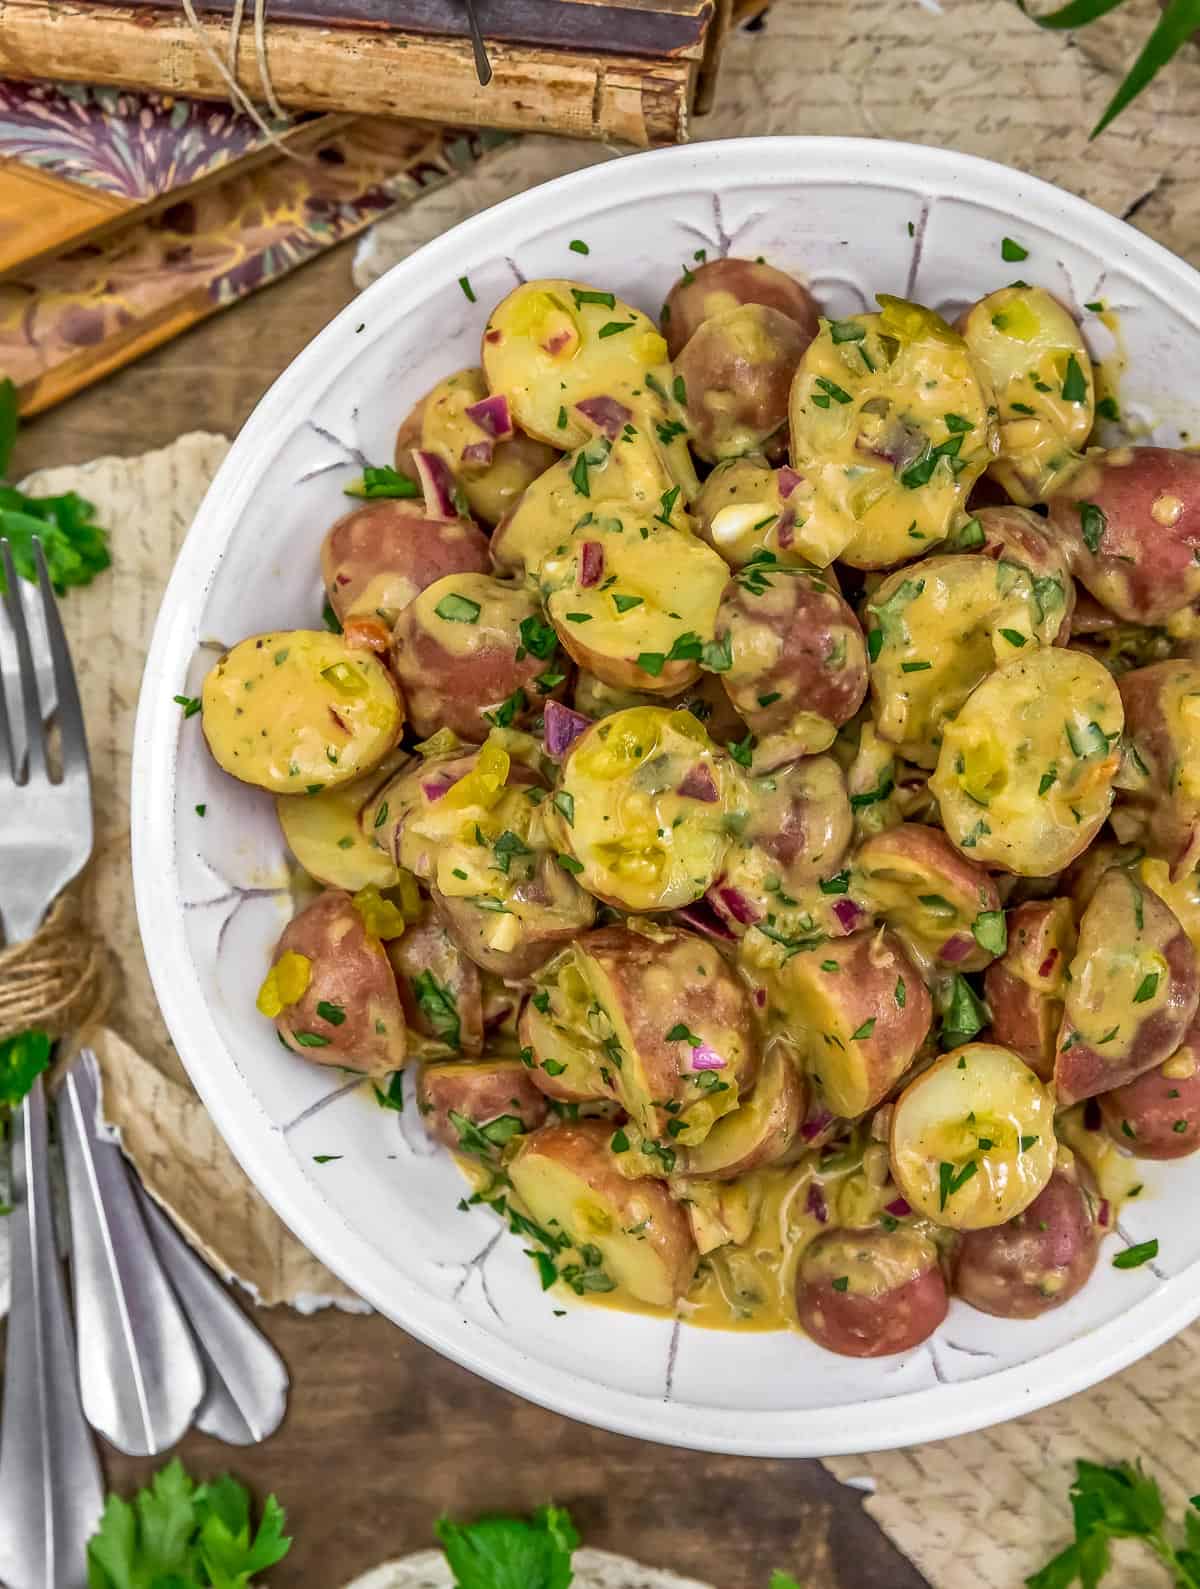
[(748, 769)]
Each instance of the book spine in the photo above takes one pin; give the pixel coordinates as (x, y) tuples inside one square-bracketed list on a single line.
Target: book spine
[(628, 99)]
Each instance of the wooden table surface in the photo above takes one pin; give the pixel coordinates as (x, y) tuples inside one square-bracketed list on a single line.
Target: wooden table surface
[(382, 1434)]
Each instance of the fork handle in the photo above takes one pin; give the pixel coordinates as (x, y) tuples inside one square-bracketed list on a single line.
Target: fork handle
[(51, 1493)]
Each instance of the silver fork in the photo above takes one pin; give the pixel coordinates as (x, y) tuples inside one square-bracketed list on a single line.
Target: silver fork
[(51, 1493)]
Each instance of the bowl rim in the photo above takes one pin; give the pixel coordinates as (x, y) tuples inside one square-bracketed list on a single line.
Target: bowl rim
[(931, 1413)]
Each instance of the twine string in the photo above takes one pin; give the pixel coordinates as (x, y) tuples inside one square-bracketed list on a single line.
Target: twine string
[(57, 981), (226, 69)]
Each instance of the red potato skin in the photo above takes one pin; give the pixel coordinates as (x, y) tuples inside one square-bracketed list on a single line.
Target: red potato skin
[(1018, 535), (480, 1092), (861, 1324), (803, 828), (1034, 1262), (1171, 820), (443, 690), (553, 1086), (1024, 989), (350, 969), (463, 922), (1155, 1105), (394, 538), (722, 284), (1081, 1070), (1144, 567), (821, 665), (627, 958), (427, 946), (927, 850), (583, 1146), (736, 402)]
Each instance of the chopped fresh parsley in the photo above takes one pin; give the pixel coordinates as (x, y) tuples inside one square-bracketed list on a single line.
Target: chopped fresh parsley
[(468, 290), (458, 609), (1011, 251), (384, 481)]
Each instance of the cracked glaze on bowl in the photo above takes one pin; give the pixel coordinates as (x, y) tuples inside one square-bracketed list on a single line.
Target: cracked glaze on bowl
[(853, 218)]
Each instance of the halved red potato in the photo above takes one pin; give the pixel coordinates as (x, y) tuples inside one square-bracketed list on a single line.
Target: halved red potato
[(784, 860), (552, 344), (797, 661), (1025, 774), (716, 287), (763, 1129), (440, 988), (1034, 1262), (491, 471), (634, 602), (943, 906), (874, 774), (475, 1107), (1157, 1115), (935, 631), (331, 992), (1182, 897), (891, 428), (408, 439), (870, 1293), (298, 711), (324, 832), (665, 1021), (565, 1060), (623, 785), (568, 1179), (1024, 989), (1132, 519), (737, 370), (1132, 990), (1161, 787), (514, 933), (858, 1009), (639, 477), (379, 557), (745, 509), (972, 1138), (472, 828), (1037, 363), (1017, 535), (462, 652)]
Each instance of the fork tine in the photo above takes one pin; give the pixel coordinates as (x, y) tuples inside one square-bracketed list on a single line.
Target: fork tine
[(72, 736), (35, 729)]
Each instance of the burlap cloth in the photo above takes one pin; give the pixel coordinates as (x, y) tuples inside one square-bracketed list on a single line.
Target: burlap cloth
[(968, 74)]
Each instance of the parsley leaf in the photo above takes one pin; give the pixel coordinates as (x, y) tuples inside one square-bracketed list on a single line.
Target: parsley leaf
[(439, 1007), (185, 1534), (382, 482), (509, 1552), (23, 1058), (1119, 1502)]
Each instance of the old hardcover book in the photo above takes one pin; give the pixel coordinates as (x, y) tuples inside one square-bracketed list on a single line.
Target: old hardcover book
[(70, 320), (79, 163), (625, 70)]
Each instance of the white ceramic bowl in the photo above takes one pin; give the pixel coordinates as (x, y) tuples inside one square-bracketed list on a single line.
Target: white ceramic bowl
[(853, 218)]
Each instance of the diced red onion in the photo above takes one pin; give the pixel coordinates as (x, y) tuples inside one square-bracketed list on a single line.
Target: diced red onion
[(558, 341), (1092, 1118), (493, 415), (700, 918), (434, 788), (788, 481), (497, 1017), (699, 784), (897, 1208), (1047, 965), (591, 564), (760, 998), (606, 414), (437, 485), (815, 1203), (706, 1058), (815, 1124), (561, 727), (479, 452), (849, 915), (957, 947), (735, 904), (1103, 1212), (785, 533)]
